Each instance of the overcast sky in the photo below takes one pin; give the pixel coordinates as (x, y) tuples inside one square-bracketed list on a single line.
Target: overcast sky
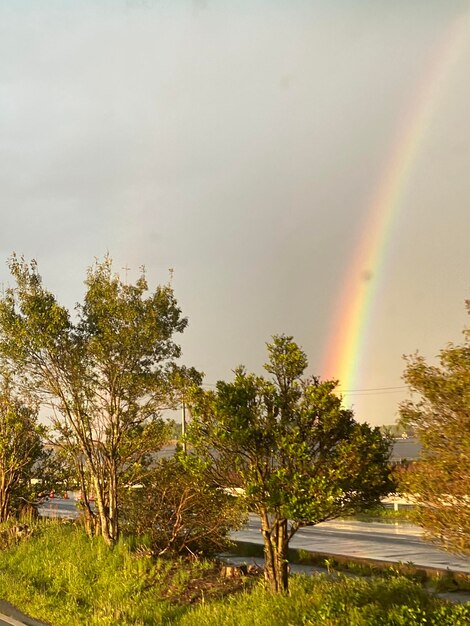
[(240, 143)]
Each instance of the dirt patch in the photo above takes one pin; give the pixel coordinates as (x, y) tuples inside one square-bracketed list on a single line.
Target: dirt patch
[(208, 584)]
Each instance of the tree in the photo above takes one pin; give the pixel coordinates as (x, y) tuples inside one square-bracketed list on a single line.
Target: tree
[(440, 417), (104, 373), (20, 449), (299, 457)]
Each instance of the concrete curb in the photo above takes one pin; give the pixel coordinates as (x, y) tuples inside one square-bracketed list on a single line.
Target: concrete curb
[(11, 615)]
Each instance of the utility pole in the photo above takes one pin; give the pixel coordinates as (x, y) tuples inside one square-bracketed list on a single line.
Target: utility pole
[(126, 268), (183, 423)]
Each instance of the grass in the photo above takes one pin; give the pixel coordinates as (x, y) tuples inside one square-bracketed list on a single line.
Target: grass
[(61, 576), (319, 601), (386, 515)]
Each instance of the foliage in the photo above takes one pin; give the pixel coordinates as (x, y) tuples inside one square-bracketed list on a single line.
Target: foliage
[(179, 511), (299, 456), (440, 479), (45, 578), (20, 450), (175, 430), (105, 373)]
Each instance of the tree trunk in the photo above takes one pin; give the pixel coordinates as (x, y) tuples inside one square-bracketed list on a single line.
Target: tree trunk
[(5, 492), (90, 518), (107, 504), (102, 511), (276, 542), (269, 554), (113, 509), (282, 564), (4, 505)]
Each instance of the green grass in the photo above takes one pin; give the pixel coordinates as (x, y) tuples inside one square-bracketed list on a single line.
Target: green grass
[(319, 601), (63, 577), (386, 515)]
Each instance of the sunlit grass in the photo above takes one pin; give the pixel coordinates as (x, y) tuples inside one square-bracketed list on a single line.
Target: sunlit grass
[(386, 515), (67, 578), (344, 602)]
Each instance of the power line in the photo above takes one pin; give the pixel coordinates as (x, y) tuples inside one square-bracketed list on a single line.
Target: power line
[(375, 388), (371, 391), (366, 391)]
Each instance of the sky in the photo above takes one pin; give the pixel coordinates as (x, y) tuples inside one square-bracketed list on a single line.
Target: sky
[(244, 145)]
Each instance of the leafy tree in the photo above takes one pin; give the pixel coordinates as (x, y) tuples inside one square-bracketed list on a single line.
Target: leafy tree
[(20, 449), (104, 373), (299, 457), (440, 417), (180, 511)]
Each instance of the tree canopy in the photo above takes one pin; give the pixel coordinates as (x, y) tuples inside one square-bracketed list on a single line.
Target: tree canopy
[(104, 372), (20, 449), (298, 455), (440, 418)]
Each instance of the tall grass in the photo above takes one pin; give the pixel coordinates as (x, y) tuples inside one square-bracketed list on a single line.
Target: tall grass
[(63, 577), (320, 601)]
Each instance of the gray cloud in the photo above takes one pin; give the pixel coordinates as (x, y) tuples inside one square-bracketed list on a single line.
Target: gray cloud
[(240, 145)]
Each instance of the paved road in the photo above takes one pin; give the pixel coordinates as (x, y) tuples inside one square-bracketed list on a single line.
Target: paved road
[(6, 620), (10, 622), (384, 542), (59, 507)]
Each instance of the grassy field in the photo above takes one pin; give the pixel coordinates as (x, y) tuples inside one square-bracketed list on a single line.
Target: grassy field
[(61, 576)]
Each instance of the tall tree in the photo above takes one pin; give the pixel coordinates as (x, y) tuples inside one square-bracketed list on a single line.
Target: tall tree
[(440, 418), (20, 449), (104, 373), (299, 457)]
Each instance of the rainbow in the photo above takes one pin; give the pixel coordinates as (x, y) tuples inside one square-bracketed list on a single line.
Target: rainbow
[(349, 331)]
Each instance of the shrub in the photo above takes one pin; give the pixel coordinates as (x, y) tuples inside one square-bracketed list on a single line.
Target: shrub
[(179, 512)]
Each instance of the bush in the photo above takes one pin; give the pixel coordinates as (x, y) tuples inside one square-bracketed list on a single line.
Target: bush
[(179, 512)]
